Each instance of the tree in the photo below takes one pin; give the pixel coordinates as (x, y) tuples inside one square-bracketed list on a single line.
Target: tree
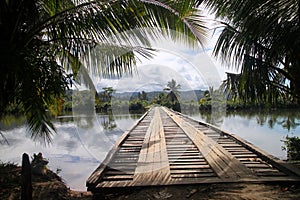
[(262, 39), (160, 99), (46, 44), (174, 94), (107, 94), (173, 89), (143, 96), (104, 101)]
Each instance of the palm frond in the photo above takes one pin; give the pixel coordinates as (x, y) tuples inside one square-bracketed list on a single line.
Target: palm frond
[(262, 35), (46, 43)]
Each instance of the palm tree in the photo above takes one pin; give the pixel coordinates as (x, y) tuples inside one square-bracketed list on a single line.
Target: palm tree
[(174, 94), (107, 94), (46, 44), (262, 39)]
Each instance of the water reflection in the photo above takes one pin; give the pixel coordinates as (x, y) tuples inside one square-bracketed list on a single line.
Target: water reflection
[(288, 119), (109, 123), (267, 130), (83, 141), (79, 146)]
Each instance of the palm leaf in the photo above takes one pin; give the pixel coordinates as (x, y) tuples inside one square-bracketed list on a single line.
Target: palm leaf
[(260, 37), (49, 39)]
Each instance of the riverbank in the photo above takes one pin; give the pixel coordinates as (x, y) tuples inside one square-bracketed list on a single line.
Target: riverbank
[(49, 186), (52, 187)]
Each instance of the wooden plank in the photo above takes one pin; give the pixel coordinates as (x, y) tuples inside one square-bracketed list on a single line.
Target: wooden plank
[(204, 175), (116, 161), (184, 153), (119, 173), (222, 162), (171, 157), (245, 155), (126, 156), (187, 163), (282, 165), (285, 167), (186, 160), (189, 167), (118, 177), (260, 165), (153, 165), (122, 164), (166, 147), (238, 150), (181, 149), (95, 177), (192, 171), (273, 174), (124, 168)]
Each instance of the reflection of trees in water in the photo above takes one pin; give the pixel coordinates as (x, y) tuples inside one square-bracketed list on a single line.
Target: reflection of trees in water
[(287, 119), (84, 121), (108, 122), (133, 116), (83, 107), (215, 118), (290, 123)]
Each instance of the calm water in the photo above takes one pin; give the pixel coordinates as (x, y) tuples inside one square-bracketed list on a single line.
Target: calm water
[(83, 142)]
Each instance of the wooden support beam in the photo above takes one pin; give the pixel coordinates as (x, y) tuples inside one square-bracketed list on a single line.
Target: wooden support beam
[(153, 164)]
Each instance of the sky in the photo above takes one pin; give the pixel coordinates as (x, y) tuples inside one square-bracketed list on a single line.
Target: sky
[(193, 69)]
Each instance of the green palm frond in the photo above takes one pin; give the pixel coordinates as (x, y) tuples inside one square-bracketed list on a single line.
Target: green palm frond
[(51, 40), (173, 89), (261, 37), (186, 19)]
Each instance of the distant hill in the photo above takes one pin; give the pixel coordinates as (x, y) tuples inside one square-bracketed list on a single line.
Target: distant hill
[(185, 95)]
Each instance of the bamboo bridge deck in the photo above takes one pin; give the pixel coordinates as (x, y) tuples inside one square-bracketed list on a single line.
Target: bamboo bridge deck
[(168, 148)]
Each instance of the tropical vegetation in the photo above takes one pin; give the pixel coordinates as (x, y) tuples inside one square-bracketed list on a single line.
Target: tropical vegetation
[(108, 100), (47, 44), (261, 39), (174, 95), (292, 146)]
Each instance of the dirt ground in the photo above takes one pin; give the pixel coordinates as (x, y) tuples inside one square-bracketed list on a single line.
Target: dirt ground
[(233, 191), (51, 187)]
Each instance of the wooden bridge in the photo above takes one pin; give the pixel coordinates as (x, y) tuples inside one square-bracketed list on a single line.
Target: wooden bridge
[(168, 148)]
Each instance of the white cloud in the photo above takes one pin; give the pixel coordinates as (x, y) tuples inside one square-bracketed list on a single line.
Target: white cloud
[(192, 68)]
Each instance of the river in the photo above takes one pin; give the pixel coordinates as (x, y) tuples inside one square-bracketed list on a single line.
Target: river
[(81, 142)]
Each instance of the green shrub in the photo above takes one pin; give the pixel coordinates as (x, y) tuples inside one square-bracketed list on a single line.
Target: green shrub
[(292, 146)]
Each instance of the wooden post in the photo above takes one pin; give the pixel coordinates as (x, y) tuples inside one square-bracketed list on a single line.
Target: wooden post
[(26, 187)]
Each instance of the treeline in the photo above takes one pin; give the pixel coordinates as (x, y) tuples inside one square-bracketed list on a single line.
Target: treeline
[(221, 98), (138, 102), (108, 100)]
